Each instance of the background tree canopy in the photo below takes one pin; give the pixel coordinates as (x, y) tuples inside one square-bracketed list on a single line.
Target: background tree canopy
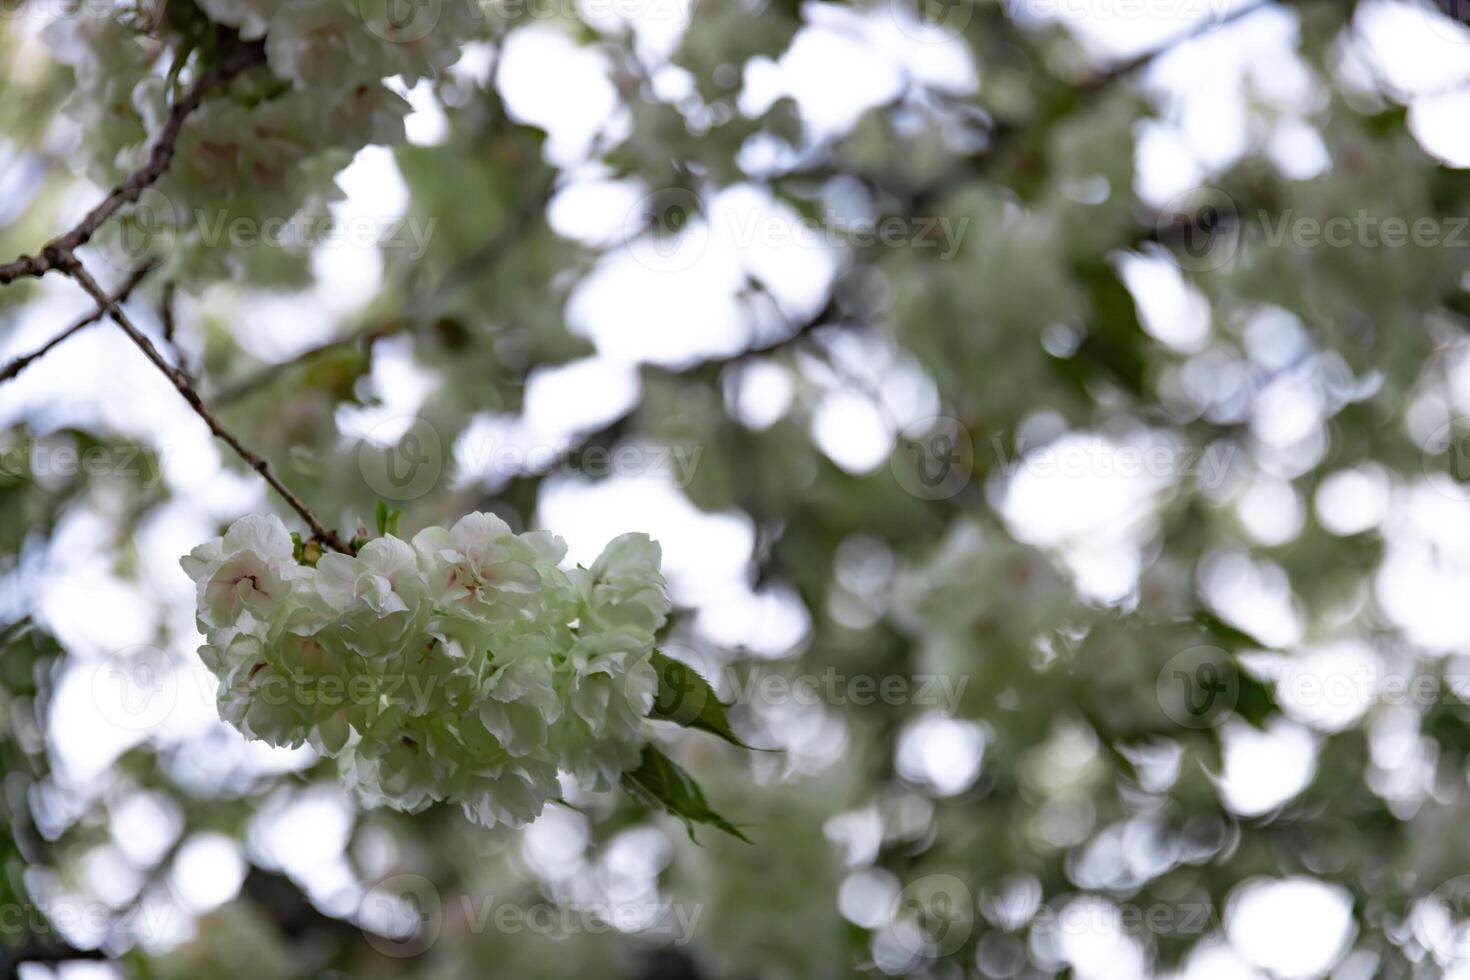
[(1053, 416)]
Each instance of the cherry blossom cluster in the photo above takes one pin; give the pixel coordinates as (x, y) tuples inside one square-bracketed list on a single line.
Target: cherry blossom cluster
[(464, 665), (267, 146)]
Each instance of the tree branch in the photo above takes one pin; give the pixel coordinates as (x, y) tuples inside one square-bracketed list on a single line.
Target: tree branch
[(57, 251), (922, 197), (166, 316), (44, 949), (22, 362), (69, 264)]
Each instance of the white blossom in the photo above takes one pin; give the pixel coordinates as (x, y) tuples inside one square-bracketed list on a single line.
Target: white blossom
[(466, 667)]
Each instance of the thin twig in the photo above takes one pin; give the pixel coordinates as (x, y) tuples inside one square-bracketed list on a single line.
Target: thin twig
[(1204, 28), (22, 362), (74, 268), (60, 249), (920, 198), (166, 316), (166, 310), (60, 254)]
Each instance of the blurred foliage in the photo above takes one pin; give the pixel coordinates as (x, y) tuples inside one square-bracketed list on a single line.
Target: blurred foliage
[(1092, 784)]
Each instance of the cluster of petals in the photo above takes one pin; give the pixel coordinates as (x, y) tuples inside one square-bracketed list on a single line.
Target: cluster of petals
[(465, 665)]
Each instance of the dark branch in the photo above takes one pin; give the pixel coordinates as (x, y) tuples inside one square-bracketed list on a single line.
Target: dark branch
[(22, 362), (57, 251), (43, 949), (180, 381), (167, 317)]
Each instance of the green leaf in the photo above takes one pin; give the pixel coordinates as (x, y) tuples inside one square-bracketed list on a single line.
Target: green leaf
[(687, 699), (659, 784), (387, 519)]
